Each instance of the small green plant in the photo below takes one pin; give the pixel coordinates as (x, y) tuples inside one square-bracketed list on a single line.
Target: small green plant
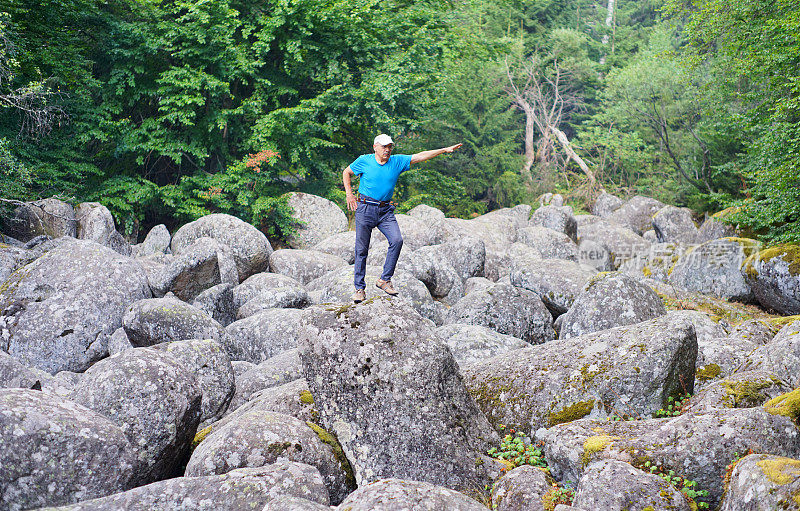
[(558, 495), (729, 469), (675, 407), (682, 484), (516, 449)]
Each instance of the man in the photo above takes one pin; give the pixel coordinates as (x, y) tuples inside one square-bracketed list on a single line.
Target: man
[(373, 207)]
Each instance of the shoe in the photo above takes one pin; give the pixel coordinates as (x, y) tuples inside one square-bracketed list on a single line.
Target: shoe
[(359, 296), (387, 287)]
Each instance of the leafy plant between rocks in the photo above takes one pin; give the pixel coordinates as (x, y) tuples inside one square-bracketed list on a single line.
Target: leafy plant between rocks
[(675, 406), (558, 495), (516, 449), (686, 486)]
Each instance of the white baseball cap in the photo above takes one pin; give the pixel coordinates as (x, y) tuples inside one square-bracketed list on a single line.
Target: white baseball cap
[(383, 139)]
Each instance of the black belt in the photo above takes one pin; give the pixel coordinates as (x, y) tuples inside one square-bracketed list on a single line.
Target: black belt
[(374, 202)]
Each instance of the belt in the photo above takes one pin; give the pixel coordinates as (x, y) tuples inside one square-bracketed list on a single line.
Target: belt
[(374, 202)]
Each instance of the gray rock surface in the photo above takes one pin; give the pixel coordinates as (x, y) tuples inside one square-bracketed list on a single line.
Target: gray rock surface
[(697, 447), (655, 263), (774, 276), (746, 389), (620, 371), (781, 356), (556, 281), (416, 232), (757, 331), (59, 312), (95, 223), (283, 368), (595, 255), (466, 255), (156, 320), (474, 343), (401, 495), (614, 485), (119, 342), (154, 399), (620, 241), (258, 437), (473, 284), (54, 451), (49, 217), (606, 204), (288, 503), (521, 489), (201, 265), (637, 213), (385, 384), (156, 242), (263, 335), (303, 265), (12, 259), (244, 489), (427, 214), (14, 374), (713, 229), (607, 301), (431, 266), (293, 398), (318, 218), (268, 291), (217, 302), (508, 310), (549, 243), (713, 268), (249, 246), (341, 245), (763, 482), (674, 225), (556, 218)]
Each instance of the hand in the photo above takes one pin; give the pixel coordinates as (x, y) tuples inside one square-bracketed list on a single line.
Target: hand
[(452, 148), (352, 204)]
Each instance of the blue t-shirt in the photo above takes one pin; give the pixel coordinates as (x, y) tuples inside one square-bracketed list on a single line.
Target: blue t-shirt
[(377, 181)]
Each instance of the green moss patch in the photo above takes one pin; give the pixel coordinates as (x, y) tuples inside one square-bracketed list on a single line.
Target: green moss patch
[(338, 452), (708, 372), (787, 405), (306, 398), (747, 392), (595, 444), (781, 470), (571, 413), (200, 436)]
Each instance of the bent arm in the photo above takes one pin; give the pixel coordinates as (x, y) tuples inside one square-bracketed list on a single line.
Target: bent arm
[(427, 155), (348, 173)]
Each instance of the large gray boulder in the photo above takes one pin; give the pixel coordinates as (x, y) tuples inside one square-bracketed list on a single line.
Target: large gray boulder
[(696, 447), (47, 217), (763, 482), (549, 243), (341, 245), (595, 255), (263, 335), (496, 231), (95, 223), (303, 265), (746, 389), (416, 233), (156, 320), (674, 225), (268, 291), (637, 213), (244, 489), (781, 356), (656, 263), (217, 302), (259, 437), (400, 495), (54, 451), (559, 219), (508, 310), (713, 229), (200, 266), (432, 267), (621, 371), (774, 276), (12, 259), (317, 219), (614, 485), (293, 398), (606, 204), (59, 312), (521, 489), (474, 343), (14, 374), (385, 384), (156, 242), (283, 368), (154, 399), (556, 281), (249, 247), (713, 268), (609, 300), (467, 255), (427, 214), (619, 241)]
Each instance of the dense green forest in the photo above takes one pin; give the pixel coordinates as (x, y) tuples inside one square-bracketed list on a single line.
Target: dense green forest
[(165, 110)]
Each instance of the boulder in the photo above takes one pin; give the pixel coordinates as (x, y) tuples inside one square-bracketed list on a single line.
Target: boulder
[(119, 342), (289, 503), (217, 302), (385, 384), (207, 360), (781, 356), (337, 286), (609, 300), (156, 402), (427, 214), (248, 245), (506, 309), (746, 389), (626, 370), (637, 213), (550, 199), (263, 335), (59, 312), (556, 281), (674, 225), (474, 343), (54, 452), (496, 231), (14, 374), (774, 276), (466, 255), (521, 489), (243, 489), (432, 268), (416, 232), (559, 219), (656, 263), (696, 447), (763, 482), (202, 265), (399, 495), (595, 255), (156, 242), (95, 223), (341, 245), (757, 331), (606, 204), (713, 229), (619, 241), (47, 217), (303, 265), (713, 268), (549, 243), (614, 485), (711, 339), (258, 437), (473, 284), (156, 320), (291, 398), (317, 219), (268, 291), (12, 259), (283, 368)]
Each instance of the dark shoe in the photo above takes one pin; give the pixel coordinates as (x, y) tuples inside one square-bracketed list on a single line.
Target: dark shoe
[(359, 296), (387, 287)]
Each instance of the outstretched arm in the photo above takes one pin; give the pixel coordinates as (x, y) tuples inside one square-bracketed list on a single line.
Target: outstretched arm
[(427, 155), (347, 173)]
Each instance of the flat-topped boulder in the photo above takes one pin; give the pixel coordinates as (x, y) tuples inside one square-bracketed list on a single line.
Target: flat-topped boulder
[(317, 219), (774, 276), (556, 281), (303, 265)]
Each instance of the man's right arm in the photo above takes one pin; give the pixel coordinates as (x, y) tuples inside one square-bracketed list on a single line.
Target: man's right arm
[(348, 173)]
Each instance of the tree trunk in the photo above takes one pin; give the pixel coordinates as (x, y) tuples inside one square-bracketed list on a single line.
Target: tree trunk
[(572, 155)]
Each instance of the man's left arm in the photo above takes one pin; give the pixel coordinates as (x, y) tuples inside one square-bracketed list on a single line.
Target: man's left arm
[(427, 155)]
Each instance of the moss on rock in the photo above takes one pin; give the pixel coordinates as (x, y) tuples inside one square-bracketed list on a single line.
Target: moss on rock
[(708, 372), (306, 398), (787, 405), (780, 470), (200, 436), (595, 444), (571, 413), (338, 452)]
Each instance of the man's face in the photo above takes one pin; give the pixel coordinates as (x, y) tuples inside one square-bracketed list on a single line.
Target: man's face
[(383, 151)]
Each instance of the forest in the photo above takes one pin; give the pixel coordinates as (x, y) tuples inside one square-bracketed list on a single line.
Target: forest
[(167, 110)]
